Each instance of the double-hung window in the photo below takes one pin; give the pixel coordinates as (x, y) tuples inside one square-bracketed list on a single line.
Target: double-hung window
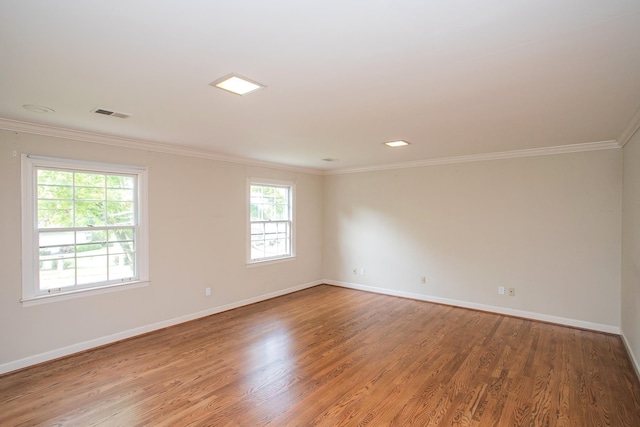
[(84, 226), (271, 227)]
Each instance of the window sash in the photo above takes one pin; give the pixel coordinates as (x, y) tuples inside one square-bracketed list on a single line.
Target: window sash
[(114, 261), (81, 256), (266, 236), (270, 221), (98, 266)]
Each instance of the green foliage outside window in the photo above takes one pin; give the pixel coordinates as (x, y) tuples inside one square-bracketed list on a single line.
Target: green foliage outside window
[(69, 205), (269, 203), (270, 221)]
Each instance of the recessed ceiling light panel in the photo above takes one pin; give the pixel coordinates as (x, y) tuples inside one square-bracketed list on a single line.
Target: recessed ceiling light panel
[(237, 84), (396, 143)]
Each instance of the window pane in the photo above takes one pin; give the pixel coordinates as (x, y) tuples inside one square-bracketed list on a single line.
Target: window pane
[(91, 249), (281, 194), (56, 261), (117, 181), (271, 248), (122, 251), (92, 269), (270, 227), (55, 192), (57, 273), (125, 248), (267, 211), (254, 213), (121, 234), (56, 252), (89, 180), (119, 195), (257, 228), (90, 193), (91, 243), (90, 213), (55, 214), (91, 236), (54, 177), (257, 250), (120, 213), (281, 213), (49, 240), (121, 266)]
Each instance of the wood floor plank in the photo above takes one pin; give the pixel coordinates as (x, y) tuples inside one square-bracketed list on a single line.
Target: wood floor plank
[(328, 356)]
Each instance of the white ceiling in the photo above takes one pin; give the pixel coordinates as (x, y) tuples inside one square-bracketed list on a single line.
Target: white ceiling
[(453, 77)]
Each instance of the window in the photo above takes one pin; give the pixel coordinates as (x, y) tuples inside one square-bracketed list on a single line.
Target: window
[(84, 226), (270, 220)]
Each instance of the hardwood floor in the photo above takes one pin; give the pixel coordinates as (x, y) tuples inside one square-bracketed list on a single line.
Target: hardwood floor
[(328, 356)]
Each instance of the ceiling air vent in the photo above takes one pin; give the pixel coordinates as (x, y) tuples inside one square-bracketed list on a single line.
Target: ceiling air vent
[(111, 113)]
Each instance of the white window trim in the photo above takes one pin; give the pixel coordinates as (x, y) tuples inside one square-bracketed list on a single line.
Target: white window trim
[(30, 295), (292, 198)]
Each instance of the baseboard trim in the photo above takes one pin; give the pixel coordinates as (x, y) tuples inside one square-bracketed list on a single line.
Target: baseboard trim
[(632, 356), (482, 307), (110, 339)]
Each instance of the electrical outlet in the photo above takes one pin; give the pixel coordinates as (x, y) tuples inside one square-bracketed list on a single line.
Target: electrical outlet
[(512, 292), (207, 292), (423, 280), (362, 271), (500, 290)]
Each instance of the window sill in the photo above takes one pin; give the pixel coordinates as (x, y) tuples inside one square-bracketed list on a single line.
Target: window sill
[(251, 264), (81, 293)]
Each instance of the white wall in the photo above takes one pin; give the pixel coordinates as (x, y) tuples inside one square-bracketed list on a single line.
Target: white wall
[(631, 249), (197, 216), (549, 226)]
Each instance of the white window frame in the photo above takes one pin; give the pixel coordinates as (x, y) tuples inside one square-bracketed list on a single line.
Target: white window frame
[(31, 292), (292, 220)]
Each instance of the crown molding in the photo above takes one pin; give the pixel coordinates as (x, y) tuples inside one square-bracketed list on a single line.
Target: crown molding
[(57, 132), (76, 135), (530, 152), (631, 129)]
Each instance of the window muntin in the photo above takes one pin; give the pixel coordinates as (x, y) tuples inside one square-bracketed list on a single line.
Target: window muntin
[(270, 221), (83, 226)]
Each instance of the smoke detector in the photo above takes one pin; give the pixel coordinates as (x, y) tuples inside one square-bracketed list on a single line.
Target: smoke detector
[(38, 108)]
